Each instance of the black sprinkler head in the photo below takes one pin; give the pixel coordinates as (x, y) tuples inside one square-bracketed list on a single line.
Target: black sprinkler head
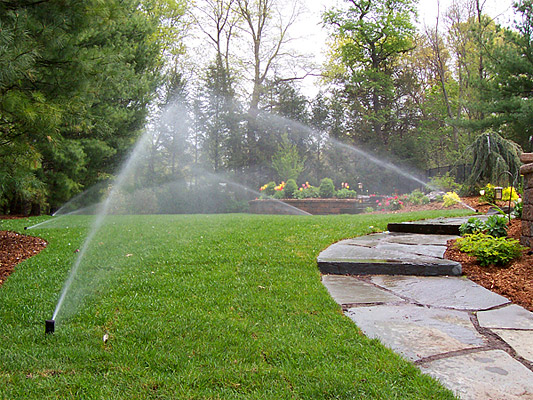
[(50, 326), (25, 227)]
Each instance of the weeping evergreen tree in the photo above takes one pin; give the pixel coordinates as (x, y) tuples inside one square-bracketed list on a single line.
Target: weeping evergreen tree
[(492, 155)]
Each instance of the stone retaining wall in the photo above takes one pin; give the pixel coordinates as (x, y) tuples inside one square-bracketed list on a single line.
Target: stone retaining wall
[(312, 206), (527, 215)]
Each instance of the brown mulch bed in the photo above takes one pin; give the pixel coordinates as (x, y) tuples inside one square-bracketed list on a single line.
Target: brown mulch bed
[(514, 281), (15, 248)]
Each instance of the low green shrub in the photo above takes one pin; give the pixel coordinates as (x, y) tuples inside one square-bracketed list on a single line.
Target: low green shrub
[(496, 226), (290, 189), (446, 183), (473, 225), (417, 197), (278, 195), (490, 250), (326, 189), (308, 192), (369, 210), (345, 194)]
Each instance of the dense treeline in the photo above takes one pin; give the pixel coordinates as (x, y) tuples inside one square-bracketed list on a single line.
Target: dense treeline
[(79, 78), (75, 81)]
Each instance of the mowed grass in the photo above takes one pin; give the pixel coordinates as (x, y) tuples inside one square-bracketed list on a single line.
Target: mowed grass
[(196, 307)]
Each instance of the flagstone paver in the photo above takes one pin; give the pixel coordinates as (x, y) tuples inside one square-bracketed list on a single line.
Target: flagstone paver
[(417, 332), (520, 341), (451, 292), (347, 290), (493, 375), (511, 317)]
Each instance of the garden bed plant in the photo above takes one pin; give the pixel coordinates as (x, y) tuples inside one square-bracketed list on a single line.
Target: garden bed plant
[(490, 255), (327, 190)]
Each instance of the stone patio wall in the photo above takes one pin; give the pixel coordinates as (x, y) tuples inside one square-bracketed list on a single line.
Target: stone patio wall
[(313, 206), (527, 215)]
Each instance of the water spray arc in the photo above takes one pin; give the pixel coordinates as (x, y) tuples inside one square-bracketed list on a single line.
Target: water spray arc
[(290, 208), (129, 182), (103, 210), (381, 163)]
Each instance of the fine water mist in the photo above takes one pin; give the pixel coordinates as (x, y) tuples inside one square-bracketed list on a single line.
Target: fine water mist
[(165, 175)]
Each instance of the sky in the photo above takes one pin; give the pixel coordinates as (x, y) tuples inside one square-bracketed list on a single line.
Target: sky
[(501, 10)]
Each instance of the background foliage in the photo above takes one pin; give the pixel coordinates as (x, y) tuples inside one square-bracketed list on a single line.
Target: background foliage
[(80, 80)]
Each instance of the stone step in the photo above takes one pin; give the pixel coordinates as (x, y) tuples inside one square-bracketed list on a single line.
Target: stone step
[(437, 226), (389, 254)]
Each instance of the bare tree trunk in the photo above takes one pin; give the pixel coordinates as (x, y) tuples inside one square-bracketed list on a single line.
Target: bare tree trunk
[(440, 66)]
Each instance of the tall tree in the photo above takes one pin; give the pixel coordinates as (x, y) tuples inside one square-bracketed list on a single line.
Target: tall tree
[(507, 99), (267, 30), (369, 37), (80, 77)]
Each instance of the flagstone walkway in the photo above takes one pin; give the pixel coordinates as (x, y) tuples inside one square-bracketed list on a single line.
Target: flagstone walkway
[(476, 342)]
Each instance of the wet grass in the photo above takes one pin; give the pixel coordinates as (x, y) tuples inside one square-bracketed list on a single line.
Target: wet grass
[(199, 307)]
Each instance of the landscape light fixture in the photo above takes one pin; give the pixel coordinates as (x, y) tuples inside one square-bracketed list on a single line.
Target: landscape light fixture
[(498, 192), (360, 185)]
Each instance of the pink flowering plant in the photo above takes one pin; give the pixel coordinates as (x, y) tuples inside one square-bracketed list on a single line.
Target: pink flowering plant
[(306, 191), (392, 203)]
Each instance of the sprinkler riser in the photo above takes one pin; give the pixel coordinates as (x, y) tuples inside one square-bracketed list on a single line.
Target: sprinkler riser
[(49, 326)]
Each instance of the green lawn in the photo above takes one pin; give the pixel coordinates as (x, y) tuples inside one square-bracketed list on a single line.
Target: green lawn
[(200, 307)]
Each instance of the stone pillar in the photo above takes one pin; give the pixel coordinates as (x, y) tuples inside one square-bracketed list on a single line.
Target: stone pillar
[(527, 215)]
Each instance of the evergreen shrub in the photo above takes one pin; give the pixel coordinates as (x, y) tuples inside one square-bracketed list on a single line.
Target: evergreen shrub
[(417, 197), (290, 189), (326, 189), (345, 194)]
